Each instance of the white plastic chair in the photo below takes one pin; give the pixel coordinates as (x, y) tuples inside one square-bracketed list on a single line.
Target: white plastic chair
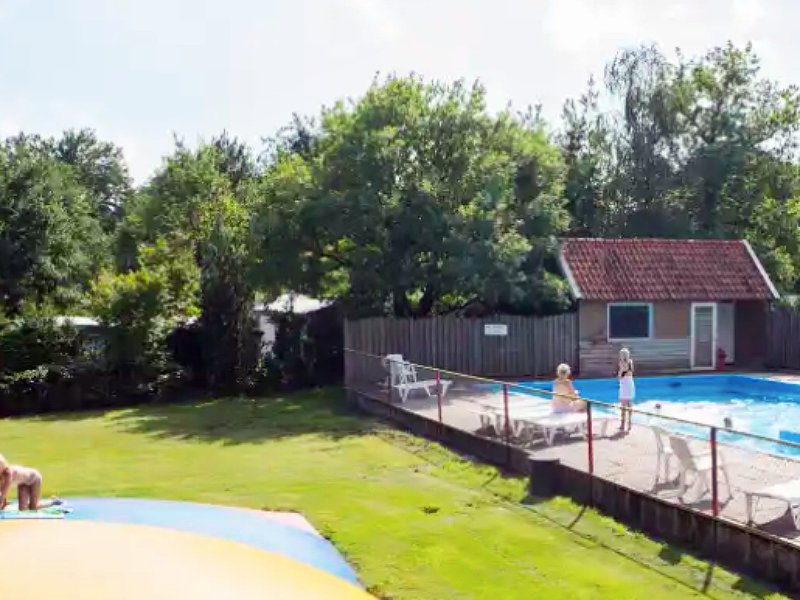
[(403, 378), (788, 492), (699, 465), (399, 370), (664, 453)]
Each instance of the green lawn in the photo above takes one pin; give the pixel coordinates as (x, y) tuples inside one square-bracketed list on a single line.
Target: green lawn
[(416, 520)]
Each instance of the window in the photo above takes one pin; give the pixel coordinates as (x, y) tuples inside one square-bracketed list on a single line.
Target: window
[(629, 321)]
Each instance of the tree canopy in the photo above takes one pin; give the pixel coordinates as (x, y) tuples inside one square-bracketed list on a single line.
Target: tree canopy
[(413, 199), (701, 147)]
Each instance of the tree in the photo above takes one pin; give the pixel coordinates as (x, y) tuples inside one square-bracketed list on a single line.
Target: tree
[(731, 121), (701, 147), (414, 200), (206, 195), (230, 343), (51, 243), (100, 168)]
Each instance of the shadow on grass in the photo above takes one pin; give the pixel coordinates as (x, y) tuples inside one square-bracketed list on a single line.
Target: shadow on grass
[(670, 554), (243, 420)]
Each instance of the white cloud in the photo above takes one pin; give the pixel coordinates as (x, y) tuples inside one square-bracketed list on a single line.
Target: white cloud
[(377, 15)]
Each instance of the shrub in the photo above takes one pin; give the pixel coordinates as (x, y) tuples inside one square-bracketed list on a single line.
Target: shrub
[(30, 343), (141, 307)]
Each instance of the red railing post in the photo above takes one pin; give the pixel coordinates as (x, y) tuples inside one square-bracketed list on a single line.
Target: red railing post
[(590, 437), (507, 424), (439, 393), (714, 478)]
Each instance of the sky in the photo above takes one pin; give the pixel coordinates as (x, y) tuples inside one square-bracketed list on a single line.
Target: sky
[(140, 72)]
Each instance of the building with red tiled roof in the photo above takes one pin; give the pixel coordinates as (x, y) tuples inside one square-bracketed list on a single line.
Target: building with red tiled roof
[(674, 303)]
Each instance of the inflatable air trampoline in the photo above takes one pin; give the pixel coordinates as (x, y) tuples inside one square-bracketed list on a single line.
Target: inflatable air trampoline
[(146, 549)]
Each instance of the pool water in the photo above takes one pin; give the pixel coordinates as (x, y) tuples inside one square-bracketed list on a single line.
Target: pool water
[(753, 404)]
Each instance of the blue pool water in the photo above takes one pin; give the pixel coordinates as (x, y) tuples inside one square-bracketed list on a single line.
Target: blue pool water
[(754, 404)]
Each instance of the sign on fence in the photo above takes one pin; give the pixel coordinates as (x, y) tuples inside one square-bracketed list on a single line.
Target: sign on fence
[(495, 329)]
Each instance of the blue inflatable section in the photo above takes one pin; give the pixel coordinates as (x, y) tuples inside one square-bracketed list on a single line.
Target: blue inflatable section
[(233, 524)]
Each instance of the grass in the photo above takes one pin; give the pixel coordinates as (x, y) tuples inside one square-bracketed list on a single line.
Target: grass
[(415, 520)]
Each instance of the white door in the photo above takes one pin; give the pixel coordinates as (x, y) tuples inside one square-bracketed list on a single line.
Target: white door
[(725, 329), (704, 336)]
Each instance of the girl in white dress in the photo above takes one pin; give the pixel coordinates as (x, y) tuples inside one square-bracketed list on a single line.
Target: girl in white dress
[(627, 389)]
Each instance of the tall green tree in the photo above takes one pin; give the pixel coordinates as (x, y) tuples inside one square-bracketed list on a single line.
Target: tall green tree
[(51, 241), (414, 200), (206, 195)]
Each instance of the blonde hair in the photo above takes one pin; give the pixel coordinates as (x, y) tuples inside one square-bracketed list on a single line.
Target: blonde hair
[(563, 370), (625, 354)]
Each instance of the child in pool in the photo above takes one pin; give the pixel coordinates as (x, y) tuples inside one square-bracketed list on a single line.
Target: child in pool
[(627, 389), (564, 393), (29, 487)]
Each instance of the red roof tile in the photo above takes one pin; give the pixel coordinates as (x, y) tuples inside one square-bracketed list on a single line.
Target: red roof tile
[(650, 270)]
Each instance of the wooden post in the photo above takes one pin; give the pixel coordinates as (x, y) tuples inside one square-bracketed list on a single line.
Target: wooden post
[(389, 383), (439, 393), (507, 425)]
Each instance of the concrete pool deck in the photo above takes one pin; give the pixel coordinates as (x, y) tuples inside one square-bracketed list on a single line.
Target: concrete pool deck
[(631, 459)]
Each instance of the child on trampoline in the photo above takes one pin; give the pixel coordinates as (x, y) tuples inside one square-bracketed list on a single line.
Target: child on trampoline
[(29, 487)]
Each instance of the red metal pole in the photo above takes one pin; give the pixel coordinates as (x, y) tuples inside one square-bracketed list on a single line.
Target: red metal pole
[(714, 481), (439, 394), (505, 413), (590, 437)]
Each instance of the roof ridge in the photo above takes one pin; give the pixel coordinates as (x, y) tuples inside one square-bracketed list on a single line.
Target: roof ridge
[(652, 239)]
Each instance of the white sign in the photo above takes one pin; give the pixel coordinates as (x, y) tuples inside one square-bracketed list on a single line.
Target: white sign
[(495, 329)]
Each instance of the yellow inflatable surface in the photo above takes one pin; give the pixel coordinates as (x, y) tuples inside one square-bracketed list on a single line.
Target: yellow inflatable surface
[(84, 560)]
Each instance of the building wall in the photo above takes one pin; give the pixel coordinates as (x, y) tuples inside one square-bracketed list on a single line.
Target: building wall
[(670, 320), (667, 350)]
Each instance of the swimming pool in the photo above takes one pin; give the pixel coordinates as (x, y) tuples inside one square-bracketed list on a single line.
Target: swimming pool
[(754, 404)]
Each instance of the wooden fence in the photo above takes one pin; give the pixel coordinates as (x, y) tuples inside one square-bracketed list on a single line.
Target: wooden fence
[(783, 338), (502, 346)]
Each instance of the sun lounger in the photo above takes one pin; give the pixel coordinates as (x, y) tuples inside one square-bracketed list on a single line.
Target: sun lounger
[(573, 422), (527, 421), (788, 492), (567, 422), (428, 386)]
